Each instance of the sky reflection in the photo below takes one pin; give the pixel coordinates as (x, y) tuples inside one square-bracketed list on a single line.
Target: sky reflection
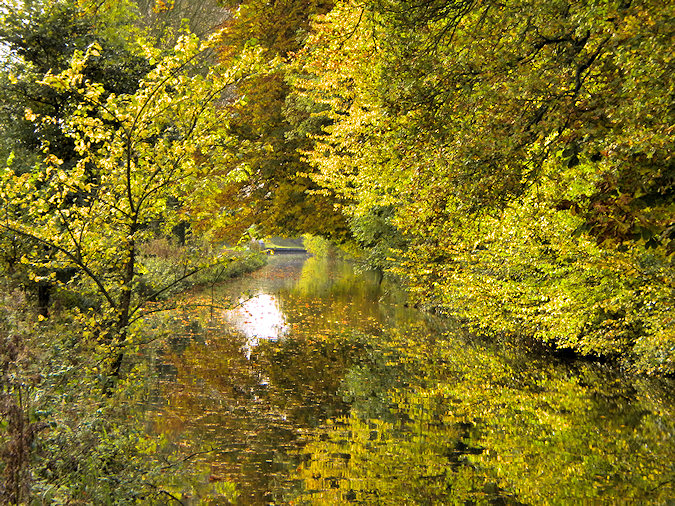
[(259, 317)]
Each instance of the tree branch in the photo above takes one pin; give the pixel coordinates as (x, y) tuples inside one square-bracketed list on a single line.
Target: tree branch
[(80, 263)]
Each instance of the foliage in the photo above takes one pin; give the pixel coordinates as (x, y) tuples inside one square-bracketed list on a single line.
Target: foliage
[(17, 380), (60, 439), (510, 161), (522, 153), (40, 38), (318, 246), (164, 19), (109, 139), (138, 154), (270, 187), (158, 270)]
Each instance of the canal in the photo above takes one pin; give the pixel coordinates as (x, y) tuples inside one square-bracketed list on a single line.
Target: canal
[(308, 382)]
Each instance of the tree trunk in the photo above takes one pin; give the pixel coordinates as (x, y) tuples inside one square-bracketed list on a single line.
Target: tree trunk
[(124, 309)]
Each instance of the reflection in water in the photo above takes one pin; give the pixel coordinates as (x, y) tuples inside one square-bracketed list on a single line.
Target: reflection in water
[(472, 424), (258, 317), (365, 401)]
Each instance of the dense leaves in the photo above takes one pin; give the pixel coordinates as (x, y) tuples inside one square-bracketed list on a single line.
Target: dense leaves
[(137, 155), (42, 38), (510, 162), (271, 188), (526, 149), (60, 439)]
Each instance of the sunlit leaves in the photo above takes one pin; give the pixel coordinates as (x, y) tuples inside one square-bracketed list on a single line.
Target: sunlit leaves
[(138, 155), (524, 156)]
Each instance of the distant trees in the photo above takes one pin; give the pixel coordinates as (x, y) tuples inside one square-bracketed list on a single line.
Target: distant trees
[(272, 187), (164, 19)]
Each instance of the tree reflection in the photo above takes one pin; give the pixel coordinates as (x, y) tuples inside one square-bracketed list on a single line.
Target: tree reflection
[(470, 423), (358, 403)]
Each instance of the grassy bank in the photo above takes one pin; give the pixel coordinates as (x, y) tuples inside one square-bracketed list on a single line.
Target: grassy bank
[(183, 267), (70, 424)]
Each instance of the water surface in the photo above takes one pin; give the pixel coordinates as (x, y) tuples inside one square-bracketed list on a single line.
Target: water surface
[(320, 386)]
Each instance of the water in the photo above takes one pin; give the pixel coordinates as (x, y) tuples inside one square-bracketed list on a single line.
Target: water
[(322, 387)]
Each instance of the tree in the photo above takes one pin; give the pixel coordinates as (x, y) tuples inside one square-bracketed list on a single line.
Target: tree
[(105, 141), (525, 149), (40, 38), (272, 189), (137, 154)]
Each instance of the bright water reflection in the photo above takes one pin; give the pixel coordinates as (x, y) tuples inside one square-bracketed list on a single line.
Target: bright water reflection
[(340, 394), (257, 317)]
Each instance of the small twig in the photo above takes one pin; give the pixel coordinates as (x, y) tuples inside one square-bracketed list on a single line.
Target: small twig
[(171, 496), (356, 27), (165, 492)]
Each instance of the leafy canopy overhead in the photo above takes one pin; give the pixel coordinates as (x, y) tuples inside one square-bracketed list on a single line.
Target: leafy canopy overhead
[(526, 150)]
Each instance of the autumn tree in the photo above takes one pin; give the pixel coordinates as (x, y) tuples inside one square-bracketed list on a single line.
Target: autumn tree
[(137, 154), (106, 139), (41, 37), (273, 190), (526, 151)]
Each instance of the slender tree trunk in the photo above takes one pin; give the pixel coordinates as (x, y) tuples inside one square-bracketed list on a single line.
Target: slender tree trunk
[(16, 452), (44, 295), (124, 309)]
